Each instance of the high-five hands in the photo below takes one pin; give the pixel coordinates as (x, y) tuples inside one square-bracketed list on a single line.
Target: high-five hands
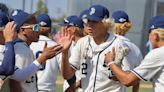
[(65, 39), (49, 52)]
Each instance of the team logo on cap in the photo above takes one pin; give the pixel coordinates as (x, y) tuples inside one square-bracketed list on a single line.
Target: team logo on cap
[(93, 10), (122, 20), (68, 22), (42, 23), (65, 20), (71, 24), (15, 13), (84, 16), (152, 27)]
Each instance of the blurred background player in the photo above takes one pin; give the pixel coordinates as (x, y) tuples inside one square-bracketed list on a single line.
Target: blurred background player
[(47, 75), (74, 25), (121, 27), (52, 34), (151, 68), (28, 32), (89, 53)]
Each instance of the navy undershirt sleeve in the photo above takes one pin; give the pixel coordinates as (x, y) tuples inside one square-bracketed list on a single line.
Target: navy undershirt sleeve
[(8, 63)]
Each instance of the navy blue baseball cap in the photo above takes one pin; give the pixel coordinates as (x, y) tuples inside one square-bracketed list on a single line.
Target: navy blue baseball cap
[(84, 14), (73, 21), (97, 13), (15, 12), (21, 17), (4, 19), (156, 22), (120, 16), (43, 20)]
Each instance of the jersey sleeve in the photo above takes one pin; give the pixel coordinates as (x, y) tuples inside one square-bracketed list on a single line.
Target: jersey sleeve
[(149, 67), (125, 64), (8, 62)]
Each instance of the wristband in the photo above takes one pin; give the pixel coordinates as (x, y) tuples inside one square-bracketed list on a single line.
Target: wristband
[(37, 64), (72, 80), (112, 62)]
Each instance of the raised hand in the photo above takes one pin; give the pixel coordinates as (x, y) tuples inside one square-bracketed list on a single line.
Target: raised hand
[(65, 39), (9, 32), (109, 57), (49, 52)]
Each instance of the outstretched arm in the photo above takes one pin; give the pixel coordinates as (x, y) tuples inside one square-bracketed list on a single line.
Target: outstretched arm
[(21, 74), (66, 40)]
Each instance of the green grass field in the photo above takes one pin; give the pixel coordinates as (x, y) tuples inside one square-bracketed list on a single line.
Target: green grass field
[(144, 86)]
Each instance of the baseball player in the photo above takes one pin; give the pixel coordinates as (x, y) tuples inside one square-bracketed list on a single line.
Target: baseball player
[(122, 26), (47, 75), (75, 26), (89, 53), (52, 34), (151, 68), (28, 32)]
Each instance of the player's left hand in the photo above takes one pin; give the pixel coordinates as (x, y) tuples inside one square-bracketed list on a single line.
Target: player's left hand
[(110, 56)]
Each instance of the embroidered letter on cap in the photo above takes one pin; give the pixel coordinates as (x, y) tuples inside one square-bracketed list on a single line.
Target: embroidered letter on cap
[(93, 10)]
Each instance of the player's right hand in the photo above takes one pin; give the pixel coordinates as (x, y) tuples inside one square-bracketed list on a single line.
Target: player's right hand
[(9, 32), (49, 52)]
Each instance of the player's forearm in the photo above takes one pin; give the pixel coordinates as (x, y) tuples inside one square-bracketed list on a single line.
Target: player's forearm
[(126, 78), (26, 72), (66, 69), (136, 87), (7, 67)]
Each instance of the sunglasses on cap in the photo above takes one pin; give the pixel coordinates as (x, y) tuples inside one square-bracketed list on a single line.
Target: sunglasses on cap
[(35, 27)]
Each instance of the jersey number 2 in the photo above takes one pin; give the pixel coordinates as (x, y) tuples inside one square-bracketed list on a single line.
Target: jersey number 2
[(84, 68)]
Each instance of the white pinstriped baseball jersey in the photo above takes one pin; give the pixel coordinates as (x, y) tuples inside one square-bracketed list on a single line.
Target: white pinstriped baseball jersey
[(88, 57), (152, 69)]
